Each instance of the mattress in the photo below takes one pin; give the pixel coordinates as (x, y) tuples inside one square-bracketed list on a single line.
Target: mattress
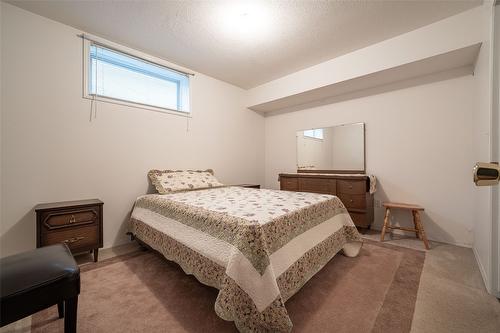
[(257, 246)]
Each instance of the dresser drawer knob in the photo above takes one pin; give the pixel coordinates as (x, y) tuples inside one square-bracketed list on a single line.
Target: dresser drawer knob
[(72, 219), (73, 240)]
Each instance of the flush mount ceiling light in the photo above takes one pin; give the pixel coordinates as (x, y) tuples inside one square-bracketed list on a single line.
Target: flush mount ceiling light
[(248, 20)]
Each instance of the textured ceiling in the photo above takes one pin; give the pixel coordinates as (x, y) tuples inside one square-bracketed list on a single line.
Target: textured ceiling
[(285, 36)]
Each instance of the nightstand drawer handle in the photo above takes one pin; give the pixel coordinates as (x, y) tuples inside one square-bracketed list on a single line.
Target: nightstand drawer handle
[(73, 240), (72, 219)]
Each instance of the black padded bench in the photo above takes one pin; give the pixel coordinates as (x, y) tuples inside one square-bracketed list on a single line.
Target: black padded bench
[(37, 279)]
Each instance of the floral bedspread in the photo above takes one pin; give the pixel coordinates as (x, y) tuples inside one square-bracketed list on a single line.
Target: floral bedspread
[(258, 247)]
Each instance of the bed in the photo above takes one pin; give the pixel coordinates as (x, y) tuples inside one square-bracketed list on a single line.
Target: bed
[(258, 247)]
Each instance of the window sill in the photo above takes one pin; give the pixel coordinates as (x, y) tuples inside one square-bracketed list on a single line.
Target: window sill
[(138, 105)]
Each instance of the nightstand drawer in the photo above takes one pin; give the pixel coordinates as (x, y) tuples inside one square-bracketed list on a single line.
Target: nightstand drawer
[(351, 186), (53, 220), (353, 200), (86, 237)]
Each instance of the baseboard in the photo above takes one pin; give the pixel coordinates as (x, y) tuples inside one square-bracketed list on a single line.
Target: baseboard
[(119, 242), (486, 280), (407, 233)]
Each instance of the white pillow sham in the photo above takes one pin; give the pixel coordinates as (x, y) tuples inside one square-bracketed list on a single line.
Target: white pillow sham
[(171, 181)]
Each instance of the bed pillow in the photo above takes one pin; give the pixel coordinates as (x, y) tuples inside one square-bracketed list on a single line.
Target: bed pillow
[(170, 181)]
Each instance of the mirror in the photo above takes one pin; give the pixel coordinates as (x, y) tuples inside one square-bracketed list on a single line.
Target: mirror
[(332, 149)]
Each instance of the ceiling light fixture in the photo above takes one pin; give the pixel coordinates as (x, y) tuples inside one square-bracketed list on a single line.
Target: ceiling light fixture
[(244, 20)]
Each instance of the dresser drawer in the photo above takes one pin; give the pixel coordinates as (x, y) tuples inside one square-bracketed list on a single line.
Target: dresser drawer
[(351, 190), (53, 220), (360, 219), (351, 186), (289, 184), (353, 200), (86, 237), (317, 185)]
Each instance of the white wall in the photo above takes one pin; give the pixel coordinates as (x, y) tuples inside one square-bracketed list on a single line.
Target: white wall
[(50, 151), (419, 143)]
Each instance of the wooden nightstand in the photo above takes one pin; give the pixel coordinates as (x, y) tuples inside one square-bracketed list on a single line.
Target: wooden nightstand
[(249, 185), (76, 223)]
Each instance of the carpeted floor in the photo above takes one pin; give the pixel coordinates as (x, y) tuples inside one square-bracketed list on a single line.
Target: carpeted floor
[(143, 292)]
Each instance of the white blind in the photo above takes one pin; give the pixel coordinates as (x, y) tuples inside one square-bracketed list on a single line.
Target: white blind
[(123, 77)]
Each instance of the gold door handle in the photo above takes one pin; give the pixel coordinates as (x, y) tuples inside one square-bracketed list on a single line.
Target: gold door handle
[(72, 240), (486, 174), (72, 219)]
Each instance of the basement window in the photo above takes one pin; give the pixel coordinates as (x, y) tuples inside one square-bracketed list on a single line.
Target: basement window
[(119, 77), (314, 133)]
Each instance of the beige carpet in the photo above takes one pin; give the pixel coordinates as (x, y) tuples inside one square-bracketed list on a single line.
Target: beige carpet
[(143, 292)]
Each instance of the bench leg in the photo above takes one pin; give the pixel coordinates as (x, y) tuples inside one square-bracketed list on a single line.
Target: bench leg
[(60, 309), (71, 307), (417, 229), (386, 223), (421, 230)]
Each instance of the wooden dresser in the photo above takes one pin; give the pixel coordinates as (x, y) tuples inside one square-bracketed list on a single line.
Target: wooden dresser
[(352, 190), (76, 223)]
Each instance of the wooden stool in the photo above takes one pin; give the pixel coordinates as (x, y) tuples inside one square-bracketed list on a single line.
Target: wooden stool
[(415, 211)]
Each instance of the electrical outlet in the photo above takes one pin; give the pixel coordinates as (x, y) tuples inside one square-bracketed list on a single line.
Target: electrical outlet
[(378, 203)]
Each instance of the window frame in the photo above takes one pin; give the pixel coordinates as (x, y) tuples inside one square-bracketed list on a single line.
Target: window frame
[(139, 56)]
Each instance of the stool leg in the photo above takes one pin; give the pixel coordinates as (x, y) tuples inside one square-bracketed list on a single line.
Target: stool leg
[(421, 230), (386, 223), (71, 307), (417, 232), (60, 309)]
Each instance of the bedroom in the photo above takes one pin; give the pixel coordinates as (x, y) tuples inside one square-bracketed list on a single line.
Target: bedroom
[(255, 78)]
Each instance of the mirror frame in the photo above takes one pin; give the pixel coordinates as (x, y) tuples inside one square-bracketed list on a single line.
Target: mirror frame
[(336, 171)]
